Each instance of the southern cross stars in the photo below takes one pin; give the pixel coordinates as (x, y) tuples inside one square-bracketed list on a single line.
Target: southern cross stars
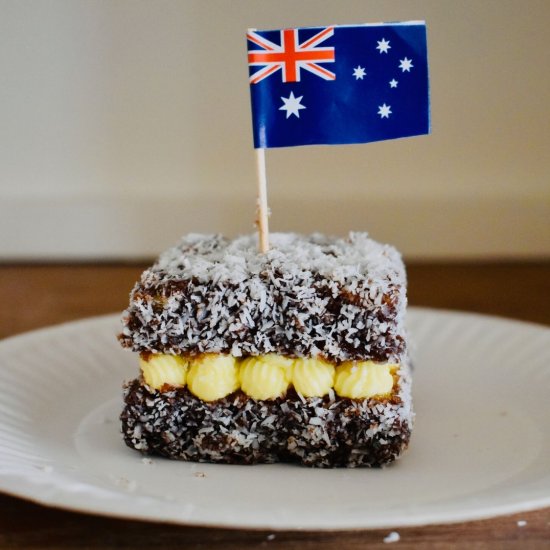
[(383, 45), (406, 64), (292, 105), (359, 72), (384, 111)]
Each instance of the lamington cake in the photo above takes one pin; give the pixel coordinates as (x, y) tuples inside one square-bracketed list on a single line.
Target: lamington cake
[(294, 355)]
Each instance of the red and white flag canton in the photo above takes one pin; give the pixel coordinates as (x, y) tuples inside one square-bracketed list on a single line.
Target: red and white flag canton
[(290, 56)]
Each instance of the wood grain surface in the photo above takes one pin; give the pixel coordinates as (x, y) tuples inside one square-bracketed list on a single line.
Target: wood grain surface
[(35, 296)]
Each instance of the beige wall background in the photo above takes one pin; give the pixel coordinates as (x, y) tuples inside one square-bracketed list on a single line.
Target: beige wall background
[(125, 123)]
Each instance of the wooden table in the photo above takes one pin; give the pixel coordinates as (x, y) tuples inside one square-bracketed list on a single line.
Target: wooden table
[(34, 296)]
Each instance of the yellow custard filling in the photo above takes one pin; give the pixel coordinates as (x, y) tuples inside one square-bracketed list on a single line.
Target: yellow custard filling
[(313, 377), (265, 377), (213, 376), (355, 378), (162, 369)]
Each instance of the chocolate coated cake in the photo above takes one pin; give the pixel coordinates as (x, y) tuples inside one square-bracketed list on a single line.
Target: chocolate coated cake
[(295, 355)]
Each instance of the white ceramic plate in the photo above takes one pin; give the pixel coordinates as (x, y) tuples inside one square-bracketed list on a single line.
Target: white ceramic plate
[(480, 446)]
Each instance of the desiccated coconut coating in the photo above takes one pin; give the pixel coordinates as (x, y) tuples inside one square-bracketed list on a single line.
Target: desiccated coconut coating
[(307, 296), (317, 431)]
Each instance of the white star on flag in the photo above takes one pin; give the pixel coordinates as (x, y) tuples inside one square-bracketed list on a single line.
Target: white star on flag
[(383, 45), (292, 105), (406, 64), (393, 83), (384, 111), (359, 72)]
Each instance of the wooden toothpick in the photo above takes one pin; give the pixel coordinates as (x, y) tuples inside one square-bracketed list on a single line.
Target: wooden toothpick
[(262, 211)]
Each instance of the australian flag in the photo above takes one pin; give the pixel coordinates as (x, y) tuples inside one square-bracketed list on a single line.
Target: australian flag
[(339, 84)]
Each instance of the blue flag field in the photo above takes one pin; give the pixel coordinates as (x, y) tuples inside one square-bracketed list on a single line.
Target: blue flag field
[(339, 84)]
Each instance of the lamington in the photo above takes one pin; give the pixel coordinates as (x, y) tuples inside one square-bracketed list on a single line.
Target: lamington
[(298, 354)]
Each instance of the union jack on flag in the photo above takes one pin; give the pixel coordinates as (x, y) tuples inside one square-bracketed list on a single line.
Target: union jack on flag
[(290, 55), (338, 84)]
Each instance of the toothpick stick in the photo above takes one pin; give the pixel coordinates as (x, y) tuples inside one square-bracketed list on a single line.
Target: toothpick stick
[(262, 209)]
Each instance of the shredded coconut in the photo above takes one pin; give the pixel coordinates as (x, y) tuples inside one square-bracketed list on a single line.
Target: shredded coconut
[(307, 296)]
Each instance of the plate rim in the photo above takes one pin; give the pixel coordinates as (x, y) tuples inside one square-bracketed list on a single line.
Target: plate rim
[(65, 501), (418, 521)]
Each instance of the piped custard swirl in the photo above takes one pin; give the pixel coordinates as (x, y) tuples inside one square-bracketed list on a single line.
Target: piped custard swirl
[(214, 376)]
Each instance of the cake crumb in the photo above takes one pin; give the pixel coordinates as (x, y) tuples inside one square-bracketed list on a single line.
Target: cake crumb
[(199, 474), (146, 461), (392, 537), (522, 523)]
